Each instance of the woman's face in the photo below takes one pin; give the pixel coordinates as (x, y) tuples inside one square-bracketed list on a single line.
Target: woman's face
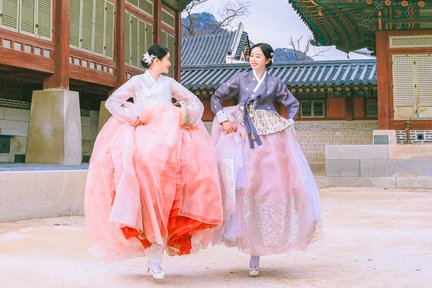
[(164, 64), (257, 59)]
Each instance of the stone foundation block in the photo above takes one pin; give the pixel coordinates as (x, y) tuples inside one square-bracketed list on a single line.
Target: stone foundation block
[(344, 168)]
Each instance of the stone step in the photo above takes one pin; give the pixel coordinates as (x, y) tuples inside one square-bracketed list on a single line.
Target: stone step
[(379, 182), (378, 168)]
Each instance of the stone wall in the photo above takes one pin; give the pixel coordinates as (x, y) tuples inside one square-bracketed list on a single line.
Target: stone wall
[(41, 193), (416, 136), (14, 124), (313, 136)]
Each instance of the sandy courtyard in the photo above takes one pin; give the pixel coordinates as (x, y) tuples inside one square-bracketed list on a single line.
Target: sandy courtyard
[(374, 238)]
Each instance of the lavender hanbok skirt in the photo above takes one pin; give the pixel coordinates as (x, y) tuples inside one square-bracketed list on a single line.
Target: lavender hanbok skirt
[(271, 201)]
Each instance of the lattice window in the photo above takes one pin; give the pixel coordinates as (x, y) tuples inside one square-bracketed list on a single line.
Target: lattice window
[(138, 38), (424, 85), (74, 26), (412, 86), (424, 78), (410, 41), (168, 41), (144, 5), (29, 17), (371, 107), (109, 30), (92, 26), (44, 18), (9, 14), (168, 18), (312, 109), (403, 82)]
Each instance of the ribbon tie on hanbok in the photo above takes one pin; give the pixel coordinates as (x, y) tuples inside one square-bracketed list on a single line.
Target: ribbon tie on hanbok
[(250, 128)]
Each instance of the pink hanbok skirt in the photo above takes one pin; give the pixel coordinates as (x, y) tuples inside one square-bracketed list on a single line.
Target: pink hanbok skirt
[(271, 201), (153, 184)]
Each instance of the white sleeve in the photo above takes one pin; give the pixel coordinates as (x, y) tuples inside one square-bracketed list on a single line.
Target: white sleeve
[(221, 116), (196, 108), (115, 103)]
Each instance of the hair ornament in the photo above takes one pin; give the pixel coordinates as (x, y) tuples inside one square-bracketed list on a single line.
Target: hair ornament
[(147, 58)]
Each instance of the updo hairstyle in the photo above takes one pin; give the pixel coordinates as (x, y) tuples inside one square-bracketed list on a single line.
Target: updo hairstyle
[(155, 51)]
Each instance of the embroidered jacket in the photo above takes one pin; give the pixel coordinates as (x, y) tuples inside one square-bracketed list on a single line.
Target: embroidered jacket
[(256, 95), (261, 93)]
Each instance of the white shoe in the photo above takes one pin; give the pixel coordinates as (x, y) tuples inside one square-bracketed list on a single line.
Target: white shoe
[(254, 271), (156, 270)]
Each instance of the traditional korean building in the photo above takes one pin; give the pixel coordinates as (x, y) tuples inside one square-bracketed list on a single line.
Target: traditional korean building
[(400, 33), (327, 90), (60, 59)]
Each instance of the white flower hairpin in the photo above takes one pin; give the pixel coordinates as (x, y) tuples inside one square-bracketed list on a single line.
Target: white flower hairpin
[(147, 58)]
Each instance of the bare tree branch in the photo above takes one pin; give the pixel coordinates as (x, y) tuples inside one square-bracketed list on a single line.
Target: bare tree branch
[(232, 11), (301, 51), (227, 14)]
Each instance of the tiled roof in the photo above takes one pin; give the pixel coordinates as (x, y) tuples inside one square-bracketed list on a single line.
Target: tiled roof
[(296, 74), (211, 48), (244, 39)]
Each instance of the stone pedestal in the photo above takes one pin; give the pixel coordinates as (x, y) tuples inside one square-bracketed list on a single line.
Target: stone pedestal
[(104, 115), (54, 135)]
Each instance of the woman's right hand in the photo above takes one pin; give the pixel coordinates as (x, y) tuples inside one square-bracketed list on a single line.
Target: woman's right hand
[(228, 128)]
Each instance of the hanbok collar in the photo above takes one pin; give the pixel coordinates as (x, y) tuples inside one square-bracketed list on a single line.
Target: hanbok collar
[(260, 81), (149, 77)]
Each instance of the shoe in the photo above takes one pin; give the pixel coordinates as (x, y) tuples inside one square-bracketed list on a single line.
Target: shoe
[(156, 270), (254, 271), (254, 266)]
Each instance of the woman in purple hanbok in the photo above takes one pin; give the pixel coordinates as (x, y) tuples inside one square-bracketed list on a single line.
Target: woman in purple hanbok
[(271, 201)]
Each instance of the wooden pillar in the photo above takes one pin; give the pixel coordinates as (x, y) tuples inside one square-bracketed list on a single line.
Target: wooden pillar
[(349, 107), (383, 80), (157, 19), (60, 78), (54, 134), (119, 43), (177, 67)]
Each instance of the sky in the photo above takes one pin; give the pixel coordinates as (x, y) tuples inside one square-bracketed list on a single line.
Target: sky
[(274, 22)]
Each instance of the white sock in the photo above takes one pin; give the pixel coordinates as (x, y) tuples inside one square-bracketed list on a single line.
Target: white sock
[(254, 261), (154, 254)]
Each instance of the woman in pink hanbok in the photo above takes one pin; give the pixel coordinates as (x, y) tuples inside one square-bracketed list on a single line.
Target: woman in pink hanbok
[(271, 202), (152, 184)]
